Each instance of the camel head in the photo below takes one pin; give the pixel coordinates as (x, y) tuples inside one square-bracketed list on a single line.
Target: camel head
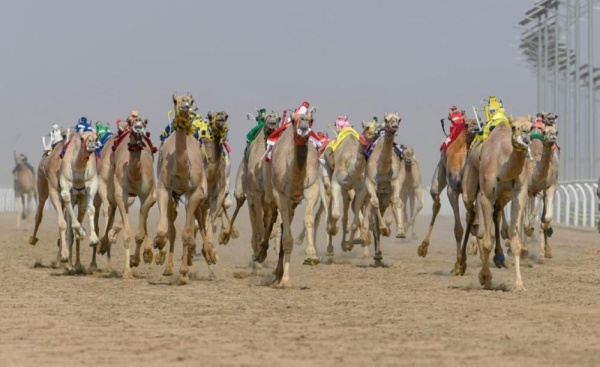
[(302, 127), (370, 129), (550, 118), (408, 155), (521, 128), (218, 123), (182, 107), (392, 122), (272, 121), (550, 133), (89, 141), (20, 159)]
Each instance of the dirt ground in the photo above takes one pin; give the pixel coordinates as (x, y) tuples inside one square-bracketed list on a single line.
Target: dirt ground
[(411, 313)]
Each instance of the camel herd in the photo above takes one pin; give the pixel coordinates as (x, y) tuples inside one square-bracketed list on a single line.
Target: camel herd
[(365, 171)]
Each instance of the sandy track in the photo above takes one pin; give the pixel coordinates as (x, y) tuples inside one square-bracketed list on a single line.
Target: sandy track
[(412, 313)]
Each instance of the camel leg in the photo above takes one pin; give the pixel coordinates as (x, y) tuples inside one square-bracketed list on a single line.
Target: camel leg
[(208, 250), (187, 238), (347, 245), (485, 275), (81, 210), (172, 233), (142, 236), (312, 198), (397, 206), (67, 187), (499, 258), (258, 230), (43, 193), (20, 212), (374, 204), (360, 198), (416, 199), (458, 228), (438, 183), (377, 240), (62, 223), (282, 272), (519, 200), (160, 239), (336, 197), (120, 197), (547, 219)]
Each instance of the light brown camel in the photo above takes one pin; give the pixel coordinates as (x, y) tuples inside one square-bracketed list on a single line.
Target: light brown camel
[(291, 175), (543, 179), (215, 165), (131, 174), (250, 185), (448, 174), (494, 175), (345, 164), (383, 183), (78, 181), (181, 173), (24, 186), (411, 191), (47, 182)]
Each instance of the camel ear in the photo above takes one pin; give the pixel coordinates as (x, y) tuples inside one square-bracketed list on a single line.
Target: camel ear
[(174, 97), (226, 116), (191, 98), (209, 116), (145, 121), (364, 124)]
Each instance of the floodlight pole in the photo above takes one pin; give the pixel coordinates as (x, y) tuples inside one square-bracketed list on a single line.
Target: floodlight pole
[(591, 132)]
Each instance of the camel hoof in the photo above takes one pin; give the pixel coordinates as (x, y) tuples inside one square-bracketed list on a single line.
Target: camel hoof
[(64, 259), (519, 287), (70, 270), (524, 252), (385, 232), (235, 233), (485, 278), (133, 261), (329, 254), (378, 263), (127, 274), (311, 261), (459, 269), (224, 237), (160, 258), (548, 252), (359, 241), (549, 231), (402, 235), (528, 231), (347, 246), (472, 248), (33, 240), (210, 256), (422, 250), (168, 271), (148, 255), (500, 260), (262, 255), (183, 279), (92, 269)]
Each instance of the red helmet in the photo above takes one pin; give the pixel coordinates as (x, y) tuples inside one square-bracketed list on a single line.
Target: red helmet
[(453, 108)]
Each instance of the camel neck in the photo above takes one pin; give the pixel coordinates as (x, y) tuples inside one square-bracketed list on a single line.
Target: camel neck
[(543, 166), (182, 162), (513, 167), (300, 158), (385, 159)]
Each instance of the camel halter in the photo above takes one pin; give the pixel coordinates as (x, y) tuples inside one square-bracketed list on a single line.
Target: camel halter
[(297, 139), (184, 124), (220, 132)]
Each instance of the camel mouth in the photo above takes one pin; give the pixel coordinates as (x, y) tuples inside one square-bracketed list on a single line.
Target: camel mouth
[(522, 141), (303, 132)]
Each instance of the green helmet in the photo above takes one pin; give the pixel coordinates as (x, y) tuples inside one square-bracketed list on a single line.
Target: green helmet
[(101, 129)]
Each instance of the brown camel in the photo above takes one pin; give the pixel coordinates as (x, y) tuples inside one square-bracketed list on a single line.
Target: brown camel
[(448, 174), (250, 184), (291, 175), (543, 179), (24, 187), (494, 175), (181, 173), (383, 183), (131, 174), (345, 167), (412, 188)]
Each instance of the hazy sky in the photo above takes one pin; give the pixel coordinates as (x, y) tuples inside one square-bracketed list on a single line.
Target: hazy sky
[(101, 59)]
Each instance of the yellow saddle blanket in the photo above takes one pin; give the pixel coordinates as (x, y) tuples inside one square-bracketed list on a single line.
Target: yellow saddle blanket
[(202, 128), (342, 135), (498, 119)]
